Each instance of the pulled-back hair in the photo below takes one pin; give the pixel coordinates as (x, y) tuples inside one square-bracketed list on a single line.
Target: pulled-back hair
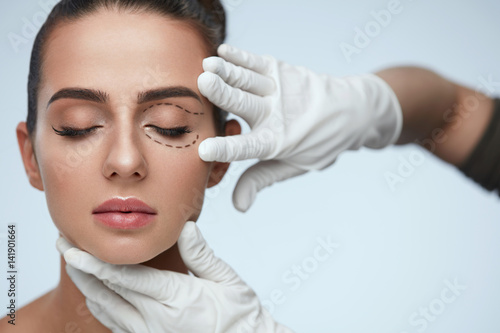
[(207, 16)]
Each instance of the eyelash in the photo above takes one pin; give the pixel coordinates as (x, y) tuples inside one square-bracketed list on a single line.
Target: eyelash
[(74, 132), (171, 132)]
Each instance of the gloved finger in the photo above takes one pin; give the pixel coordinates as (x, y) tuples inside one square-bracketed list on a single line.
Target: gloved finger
[(63, 245), (169, 313), (239, 77), (102, 315), (242, 58), (248, 106), (235, 148), (259, 176), (147, 306), (145, 280), (200, 259), (126, 317)]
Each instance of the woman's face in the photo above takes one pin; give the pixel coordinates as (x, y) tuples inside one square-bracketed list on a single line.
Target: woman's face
[(121, 70)]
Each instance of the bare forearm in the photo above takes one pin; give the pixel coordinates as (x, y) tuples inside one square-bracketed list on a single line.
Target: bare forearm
[(445, 118)]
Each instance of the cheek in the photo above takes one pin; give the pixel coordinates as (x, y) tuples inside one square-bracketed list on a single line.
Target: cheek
[(180, 184), (182, 177), (64, 163), (68, 172), (69, 183), (73, 181)]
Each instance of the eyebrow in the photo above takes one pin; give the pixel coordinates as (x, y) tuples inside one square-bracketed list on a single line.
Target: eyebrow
[(101, 97), (168, 92)]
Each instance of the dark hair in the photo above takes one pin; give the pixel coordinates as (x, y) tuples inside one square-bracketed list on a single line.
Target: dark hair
[(207, 16)]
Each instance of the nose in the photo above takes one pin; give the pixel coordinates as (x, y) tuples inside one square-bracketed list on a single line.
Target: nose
[(125, 160)]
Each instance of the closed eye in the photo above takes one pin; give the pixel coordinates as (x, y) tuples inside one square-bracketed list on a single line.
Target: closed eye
[(171, 132), (74, 132)]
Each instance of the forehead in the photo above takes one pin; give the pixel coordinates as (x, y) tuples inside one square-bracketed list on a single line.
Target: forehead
[(122, 53)]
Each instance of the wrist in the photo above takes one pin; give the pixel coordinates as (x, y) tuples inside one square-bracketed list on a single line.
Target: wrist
[(386, 112)]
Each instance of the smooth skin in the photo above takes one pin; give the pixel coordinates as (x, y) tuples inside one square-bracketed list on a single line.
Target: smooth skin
[(121, 54)]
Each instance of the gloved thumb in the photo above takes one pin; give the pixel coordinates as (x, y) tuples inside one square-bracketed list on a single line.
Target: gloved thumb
[(259, 176), (63, 245), (200, 259)]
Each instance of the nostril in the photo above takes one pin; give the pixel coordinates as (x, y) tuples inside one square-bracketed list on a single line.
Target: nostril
[(120, 168)]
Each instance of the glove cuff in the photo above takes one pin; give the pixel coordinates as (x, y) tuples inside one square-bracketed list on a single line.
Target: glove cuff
[(388, 115)]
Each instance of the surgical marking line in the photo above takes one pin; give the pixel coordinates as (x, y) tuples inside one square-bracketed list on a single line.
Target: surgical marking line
[(177, 147)]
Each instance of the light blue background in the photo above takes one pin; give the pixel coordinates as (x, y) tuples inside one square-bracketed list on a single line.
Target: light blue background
[(396, 248)]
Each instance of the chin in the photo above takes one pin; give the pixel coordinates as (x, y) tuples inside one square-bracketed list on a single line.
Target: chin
[(129, 253), (121, 259)]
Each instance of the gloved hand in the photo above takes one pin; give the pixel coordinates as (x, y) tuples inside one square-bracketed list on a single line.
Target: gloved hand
[(156, 301), (300, 120)]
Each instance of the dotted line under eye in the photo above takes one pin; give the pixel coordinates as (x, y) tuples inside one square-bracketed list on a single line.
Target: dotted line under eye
[(183, 109), (171, 146), (177, 106)]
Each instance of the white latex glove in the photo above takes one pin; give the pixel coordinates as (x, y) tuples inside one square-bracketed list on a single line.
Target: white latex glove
[(140, 299), (300, 120)]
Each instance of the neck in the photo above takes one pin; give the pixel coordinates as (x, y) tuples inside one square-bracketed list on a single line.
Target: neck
[(70, 302)]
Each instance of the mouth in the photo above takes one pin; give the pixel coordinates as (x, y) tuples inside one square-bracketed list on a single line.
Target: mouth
[(124, 213), (125, 206)]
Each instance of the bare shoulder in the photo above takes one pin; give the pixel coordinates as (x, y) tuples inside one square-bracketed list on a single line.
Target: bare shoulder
[(6, 326), (30, 318)]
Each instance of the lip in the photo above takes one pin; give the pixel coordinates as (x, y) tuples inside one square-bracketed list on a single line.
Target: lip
[(124, 213)]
